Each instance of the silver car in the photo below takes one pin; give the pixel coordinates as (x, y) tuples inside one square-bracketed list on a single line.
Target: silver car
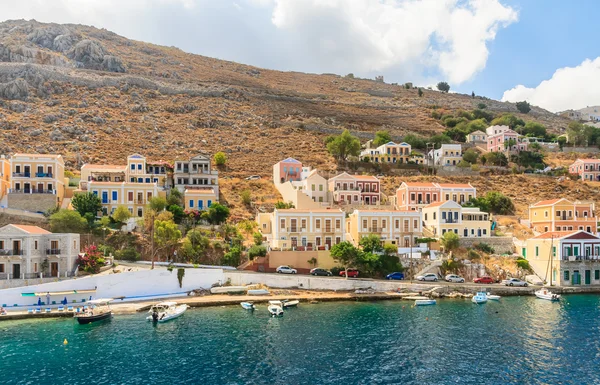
[(427, 277), (454, 278), (286, 270), (514, 282)]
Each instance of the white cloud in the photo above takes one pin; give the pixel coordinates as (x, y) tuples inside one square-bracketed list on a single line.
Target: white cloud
[(568, 88), (410, 35)]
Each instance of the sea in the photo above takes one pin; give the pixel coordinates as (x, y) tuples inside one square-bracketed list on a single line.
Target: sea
[(518, 340)]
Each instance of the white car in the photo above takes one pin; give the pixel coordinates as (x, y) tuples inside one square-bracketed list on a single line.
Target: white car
[(286, 270), (514, 282), (253, 177), (454, 278), (427, 277)]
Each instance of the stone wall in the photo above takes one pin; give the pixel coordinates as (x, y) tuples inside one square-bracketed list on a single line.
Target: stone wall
[(501, 245), (32, 202)]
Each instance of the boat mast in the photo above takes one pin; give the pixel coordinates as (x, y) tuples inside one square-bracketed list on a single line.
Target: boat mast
[(551, 257)]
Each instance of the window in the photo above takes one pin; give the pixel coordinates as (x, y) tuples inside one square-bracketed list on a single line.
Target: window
[(596, 275), (35, 268), (130, 196), (425, 216), (312, 187), (139, 166), (365, 224), (140, 212), (318, 223), (147, 180), (320, 187), (338, 240), (133, 167), (282, 223), (434, 215), (554, 251), (1, 268), (566, 275), (412, 197), (114, 196), (209, 203), (191, 203), (415, 224), (537, 251), (200, 204), (397, 223), (338, 224), (35, 244)]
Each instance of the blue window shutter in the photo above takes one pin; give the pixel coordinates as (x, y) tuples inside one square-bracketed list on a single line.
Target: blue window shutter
[(140, 180), (147, 180), (200, 204), (114, 196), (209, 203), (139, 166), (95, 193), (133, 166), (191, 203)]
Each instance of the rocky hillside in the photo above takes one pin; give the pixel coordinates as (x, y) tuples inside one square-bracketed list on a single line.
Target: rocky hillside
[(95, 96)]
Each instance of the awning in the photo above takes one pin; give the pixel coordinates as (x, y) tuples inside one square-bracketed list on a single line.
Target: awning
[(66, 292)]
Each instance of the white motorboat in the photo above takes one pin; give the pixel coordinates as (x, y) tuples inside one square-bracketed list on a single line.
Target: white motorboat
[(228, 289), (547, 295), (165, 311), (425, 302), (479, 298), (275, 310), (258, 292), (493, 297), (248, 305), (287, 303)]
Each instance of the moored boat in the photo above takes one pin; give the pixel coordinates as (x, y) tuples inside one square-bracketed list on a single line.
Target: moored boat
[(166, 311), (425, 302), (493, 297), (547, 295), (258, 292), (98, 310), (248, 305), (287, 303), (275, 310), (479, 298)]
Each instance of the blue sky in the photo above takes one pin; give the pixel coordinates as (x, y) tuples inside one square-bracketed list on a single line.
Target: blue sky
[(516, 50)]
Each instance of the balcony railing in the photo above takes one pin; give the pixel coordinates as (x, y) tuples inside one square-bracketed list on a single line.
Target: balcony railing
[(31, 191), (52, 251), (450, 220), (581, 258), (11, 252), (43, 175), (21, 174), (326, 230), (296, 230), (341, 188), (374, 229)]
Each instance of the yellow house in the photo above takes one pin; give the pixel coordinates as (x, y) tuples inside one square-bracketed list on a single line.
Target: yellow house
[(134, 196), (40, 174), (570, 258), (4, 176), (388, 153), (563, 215), (303, 230), (400, 228), (467, 222), (199, 198)]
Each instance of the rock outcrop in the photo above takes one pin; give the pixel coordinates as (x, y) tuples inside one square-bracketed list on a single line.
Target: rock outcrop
[(15, 90)]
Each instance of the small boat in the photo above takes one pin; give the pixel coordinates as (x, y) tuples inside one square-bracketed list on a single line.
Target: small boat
[(98, 310), (479, 298), (287, 303), (493, 297), (227, 289), (547, 295), (258, 292), (248, 305), (425, 302), (165, 311), (275, 310)]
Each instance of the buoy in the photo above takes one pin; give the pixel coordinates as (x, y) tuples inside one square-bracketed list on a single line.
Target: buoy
[(65, 342), (426, 318)]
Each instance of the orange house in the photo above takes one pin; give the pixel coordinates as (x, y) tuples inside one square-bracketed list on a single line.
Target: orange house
[(563, 215)]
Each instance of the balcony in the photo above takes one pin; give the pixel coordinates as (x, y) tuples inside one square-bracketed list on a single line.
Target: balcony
[(52, 251), (564, 218), (341, 188), (374, 229), (43, 175), (10, 252), (296, 230), (578, 258), (31, 191), (21, 174), (449, 220), (325, 230)]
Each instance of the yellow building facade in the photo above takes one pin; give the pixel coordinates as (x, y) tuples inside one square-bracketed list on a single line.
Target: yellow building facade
[(449, 216), (399, 228), (563, 215)]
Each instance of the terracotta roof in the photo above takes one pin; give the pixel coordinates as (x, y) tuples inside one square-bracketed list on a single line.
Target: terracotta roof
[(32, 229), (332, 211), (435, 204), (38, 155), (387, 211), (419, 184), (465, 185), (588, 160), (554, 234), (365, 177), (548, 202)]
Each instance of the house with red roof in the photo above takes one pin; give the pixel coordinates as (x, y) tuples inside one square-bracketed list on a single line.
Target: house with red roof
[(561, 214), (416, 195), (355, 189), (586, 169)]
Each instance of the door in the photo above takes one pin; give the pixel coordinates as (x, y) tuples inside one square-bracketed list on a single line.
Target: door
[(576, 278), (40, 187), (588, 277), (16, 270), (27, 188), (576, 251), (54, 269), (104, 197)]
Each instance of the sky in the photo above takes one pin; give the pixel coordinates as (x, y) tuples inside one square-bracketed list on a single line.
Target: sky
[(542, 51)]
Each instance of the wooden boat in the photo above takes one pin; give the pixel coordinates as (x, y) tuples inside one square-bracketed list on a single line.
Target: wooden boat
[(275, 310), (493, 297), (248, 305), (425, 302), (258, 292), (98, 310), (166, 311), (227, 289), (479, 298), (287, 303), (547, 295)]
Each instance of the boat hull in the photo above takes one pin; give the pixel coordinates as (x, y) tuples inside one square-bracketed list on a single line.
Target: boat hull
[(288, 304), (548, 296), (248, 306), (83, 320), (168, 317), (425, 302), (275, 311)]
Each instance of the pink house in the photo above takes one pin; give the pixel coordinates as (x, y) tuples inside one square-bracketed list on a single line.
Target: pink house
[(355, 189), (586, 169), (286, 170), (498, 135)]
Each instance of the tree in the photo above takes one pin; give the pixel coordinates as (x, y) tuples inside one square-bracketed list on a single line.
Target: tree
[(233, 257), (381, 137), (194, 246), (534, 129), (481, 106), (371, 244), (247, 226), (415, 141), (67, 221), (157, 204), (85, 203), (473, 94), (258, 238), (535, 146), (175, 198), (177, 212), (470, 156), (279, 205), (561, 142), (220, 158), (510, 143), (499, 203), (346, 254), (420, 92), (443, 86), (257, 251), (450, 241), (246, 197), (121, 214), (523, 107), (508, 120), (343, 146), (166, 237), (217, 214), (91, 260), (576, 134), (481, 114), (495, 159)]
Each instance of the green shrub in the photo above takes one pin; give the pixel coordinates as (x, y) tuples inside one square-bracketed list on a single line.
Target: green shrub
[(523, 264), (484, 247), (257, 251), (128, 254)]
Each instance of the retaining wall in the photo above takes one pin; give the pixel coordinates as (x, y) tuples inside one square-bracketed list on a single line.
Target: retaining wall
[(501, 245), (32, 202)]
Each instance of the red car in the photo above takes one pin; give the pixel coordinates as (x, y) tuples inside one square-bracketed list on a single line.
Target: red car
[(484, 279), (352, 273)]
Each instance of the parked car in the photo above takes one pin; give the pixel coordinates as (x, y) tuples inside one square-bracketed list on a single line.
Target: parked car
[(319, 271), (514, 282), (286, 270), (395, 275), (484, 279), (253, 177), (379, 176), (427, 277), (352, 273), (454, 278)]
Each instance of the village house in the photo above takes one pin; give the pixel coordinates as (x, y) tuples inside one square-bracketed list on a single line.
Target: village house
[(198, 182), (562, 258), (477, 137), (286, 170), (26, 252), (449, 216), (563, 215), (5, 174), (399, 228), (355, 189), (586, 169), (416, 195), (314, 186), (302, 230), (389, 152), (446, 155), (499, 138)]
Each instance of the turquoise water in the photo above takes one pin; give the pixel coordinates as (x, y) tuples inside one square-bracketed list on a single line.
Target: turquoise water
[(519, 340)]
